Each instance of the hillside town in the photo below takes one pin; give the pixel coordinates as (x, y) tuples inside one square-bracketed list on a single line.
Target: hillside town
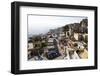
[(67, 42)]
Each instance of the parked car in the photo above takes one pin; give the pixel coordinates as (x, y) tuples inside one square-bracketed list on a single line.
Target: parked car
[(38, 58), (52, 54)]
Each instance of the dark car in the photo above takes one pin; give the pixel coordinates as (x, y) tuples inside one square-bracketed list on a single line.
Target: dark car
[(52, 54)]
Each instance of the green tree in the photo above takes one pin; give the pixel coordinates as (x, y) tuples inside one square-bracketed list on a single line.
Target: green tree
[(65, 29), (86, 39)]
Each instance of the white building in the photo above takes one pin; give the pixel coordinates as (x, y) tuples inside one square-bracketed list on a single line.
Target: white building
[(50, 42), (54, 35), (30, 46), (61, 35), (76, 36)]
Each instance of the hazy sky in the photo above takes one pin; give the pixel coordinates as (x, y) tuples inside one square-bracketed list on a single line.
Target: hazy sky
[(38, 24)]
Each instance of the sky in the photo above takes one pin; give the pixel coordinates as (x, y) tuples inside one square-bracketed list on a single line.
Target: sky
[(38, 24)]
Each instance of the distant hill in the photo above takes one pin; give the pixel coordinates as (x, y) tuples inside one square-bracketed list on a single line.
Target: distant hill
[(81, 27)]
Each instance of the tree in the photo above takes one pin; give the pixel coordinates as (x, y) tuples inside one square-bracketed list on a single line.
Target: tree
[(76, 27), (86, 39), (37, 38), (84, 25), (80, 38), (43, 45), (65, 29)]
